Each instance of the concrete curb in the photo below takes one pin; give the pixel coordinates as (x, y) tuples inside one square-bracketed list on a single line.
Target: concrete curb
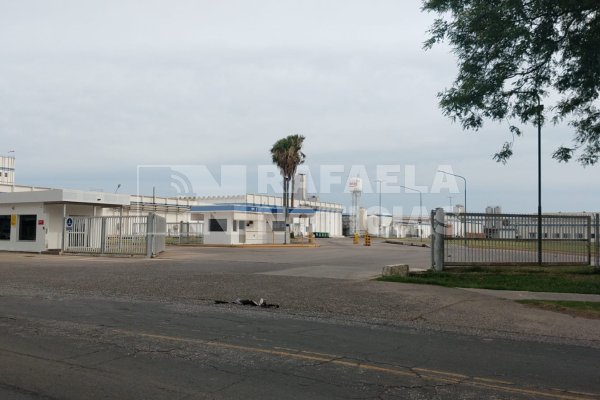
[(253, 246), (413, 244)]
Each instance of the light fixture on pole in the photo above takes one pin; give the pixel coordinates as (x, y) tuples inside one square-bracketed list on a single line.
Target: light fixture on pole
[(539, 160), (465, 181), (420, 209)]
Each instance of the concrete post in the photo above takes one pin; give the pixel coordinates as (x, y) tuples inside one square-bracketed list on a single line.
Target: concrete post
[(102, 235), (64, 230), (150, 234), (439, 227)]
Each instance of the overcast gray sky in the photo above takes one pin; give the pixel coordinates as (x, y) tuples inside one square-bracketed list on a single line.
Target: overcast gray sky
[(91, 89)]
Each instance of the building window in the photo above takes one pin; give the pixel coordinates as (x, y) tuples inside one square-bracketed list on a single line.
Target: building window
[(532, 235), (557, 236), (4, 227), (27, 227), (217, 225), (580, 236), (278, 226), (235, 225), (566, 236)]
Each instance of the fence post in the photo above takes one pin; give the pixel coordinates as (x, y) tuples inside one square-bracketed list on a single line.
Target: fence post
[(431, 219), (439, 226), (64, 233), (597, 239), (589, 240), (102, 235), (149, 234)]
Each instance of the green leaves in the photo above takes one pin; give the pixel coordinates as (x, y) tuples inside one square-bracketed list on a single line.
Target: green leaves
[(511, 54), (287, 154), (505, 153)]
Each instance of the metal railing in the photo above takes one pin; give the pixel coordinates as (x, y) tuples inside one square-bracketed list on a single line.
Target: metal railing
[(512, 239), (114, 235), (185, 233)]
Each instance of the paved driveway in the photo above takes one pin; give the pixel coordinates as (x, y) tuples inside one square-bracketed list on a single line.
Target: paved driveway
[(335, 258)]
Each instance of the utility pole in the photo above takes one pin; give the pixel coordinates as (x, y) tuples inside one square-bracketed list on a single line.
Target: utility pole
[(420, 209), (539, 227), (465, 181)]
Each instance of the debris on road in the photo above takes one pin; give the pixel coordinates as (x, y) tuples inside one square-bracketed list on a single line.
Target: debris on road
[(249, 302)]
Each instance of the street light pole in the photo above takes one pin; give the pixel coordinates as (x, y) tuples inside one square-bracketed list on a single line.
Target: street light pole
[(420, 210), (539, 227), (465, 181)]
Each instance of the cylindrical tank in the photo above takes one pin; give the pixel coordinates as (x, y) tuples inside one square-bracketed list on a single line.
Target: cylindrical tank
[(355, 184), (300, 182)]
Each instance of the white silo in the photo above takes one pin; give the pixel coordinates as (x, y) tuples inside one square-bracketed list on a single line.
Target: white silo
[(355, 187), (300, 187)]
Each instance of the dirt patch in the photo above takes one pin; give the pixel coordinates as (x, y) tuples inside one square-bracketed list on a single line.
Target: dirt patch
[(564, 310)]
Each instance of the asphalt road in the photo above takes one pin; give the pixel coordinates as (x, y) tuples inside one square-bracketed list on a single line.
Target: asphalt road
[(95, 348), (87, 328)]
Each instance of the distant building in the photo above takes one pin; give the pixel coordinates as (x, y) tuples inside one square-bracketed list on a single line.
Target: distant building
[(7, 170), (31, 218)]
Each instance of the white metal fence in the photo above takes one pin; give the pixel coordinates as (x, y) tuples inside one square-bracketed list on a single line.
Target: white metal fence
[(185, 232), (131, 235), (512, 239)]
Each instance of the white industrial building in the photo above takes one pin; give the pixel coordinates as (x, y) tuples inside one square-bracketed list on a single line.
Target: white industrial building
[(33, 218), (258, 219)]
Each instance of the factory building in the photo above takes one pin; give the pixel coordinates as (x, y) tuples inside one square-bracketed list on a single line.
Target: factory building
[(33, 218)]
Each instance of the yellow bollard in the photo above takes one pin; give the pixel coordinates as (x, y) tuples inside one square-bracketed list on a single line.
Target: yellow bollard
[(356, 238), (367, 239)]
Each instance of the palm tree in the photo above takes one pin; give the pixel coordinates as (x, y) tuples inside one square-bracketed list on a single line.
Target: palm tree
[(296, 157), (279, 155), (287, 154)]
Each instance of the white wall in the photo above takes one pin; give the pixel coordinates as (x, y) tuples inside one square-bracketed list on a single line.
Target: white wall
[(14, 244), (258, 229), (49, 235), (226, 237)]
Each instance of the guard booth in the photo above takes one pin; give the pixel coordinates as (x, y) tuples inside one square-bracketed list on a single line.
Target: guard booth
[(242, 223), (33, 221)]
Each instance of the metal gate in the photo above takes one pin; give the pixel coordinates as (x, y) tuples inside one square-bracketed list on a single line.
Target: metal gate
[(130, 235), (472, 239)]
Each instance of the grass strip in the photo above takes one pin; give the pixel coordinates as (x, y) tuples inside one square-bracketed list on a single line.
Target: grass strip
[(585, 280)]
